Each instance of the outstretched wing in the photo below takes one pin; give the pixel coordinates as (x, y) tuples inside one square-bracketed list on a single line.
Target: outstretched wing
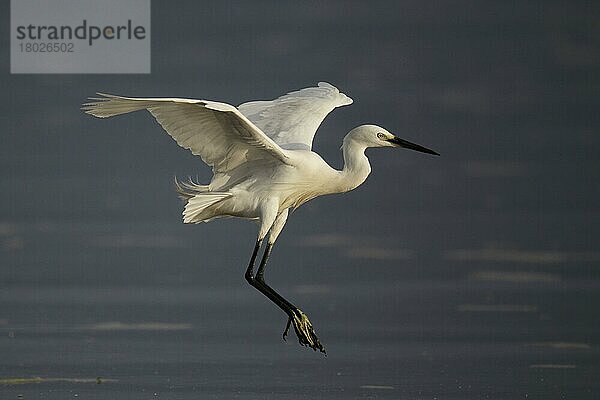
[(293, 119), (217, 132)]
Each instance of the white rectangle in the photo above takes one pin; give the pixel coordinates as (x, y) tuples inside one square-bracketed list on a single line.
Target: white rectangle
[(80, 36)]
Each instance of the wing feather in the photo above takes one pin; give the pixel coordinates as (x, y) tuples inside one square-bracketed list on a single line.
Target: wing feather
[(217, 132), (293, 119)]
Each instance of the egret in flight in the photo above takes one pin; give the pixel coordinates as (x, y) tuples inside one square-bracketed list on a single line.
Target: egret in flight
[(262, 162)]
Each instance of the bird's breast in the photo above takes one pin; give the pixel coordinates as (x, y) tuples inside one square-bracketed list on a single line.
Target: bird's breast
[(296, 185)]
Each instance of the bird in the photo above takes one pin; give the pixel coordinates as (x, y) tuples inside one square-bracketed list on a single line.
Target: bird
[(263, 165)]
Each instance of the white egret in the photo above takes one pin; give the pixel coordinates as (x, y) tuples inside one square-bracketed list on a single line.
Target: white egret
[(263, 165)]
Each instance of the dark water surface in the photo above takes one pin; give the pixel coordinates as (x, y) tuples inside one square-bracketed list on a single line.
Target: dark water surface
[(469, 276)]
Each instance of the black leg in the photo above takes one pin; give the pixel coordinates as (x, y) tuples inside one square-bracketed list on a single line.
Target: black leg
[(250, 270), (302, 325), (260, 278), (261, 287)]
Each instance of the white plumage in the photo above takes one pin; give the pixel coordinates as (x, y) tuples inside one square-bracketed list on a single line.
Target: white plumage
[(293, 119), (262, 160)]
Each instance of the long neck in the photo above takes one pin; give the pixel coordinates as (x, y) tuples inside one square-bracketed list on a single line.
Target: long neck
[(356, 165)]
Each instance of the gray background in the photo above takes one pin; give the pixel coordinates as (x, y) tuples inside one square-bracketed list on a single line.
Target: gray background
[(470, 275)]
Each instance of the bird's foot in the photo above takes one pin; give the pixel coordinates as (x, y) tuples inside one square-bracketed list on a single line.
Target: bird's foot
[(304, 331)]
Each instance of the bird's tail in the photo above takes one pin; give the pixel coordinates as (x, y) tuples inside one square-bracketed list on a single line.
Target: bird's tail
[(187, 190), (198, 200), (196, 209)]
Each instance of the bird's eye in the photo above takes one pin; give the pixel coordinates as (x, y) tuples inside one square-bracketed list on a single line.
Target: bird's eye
[(381, 136)]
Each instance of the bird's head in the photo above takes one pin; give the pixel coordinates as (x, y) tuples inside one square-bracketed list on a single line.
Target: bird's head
[(376, 136)]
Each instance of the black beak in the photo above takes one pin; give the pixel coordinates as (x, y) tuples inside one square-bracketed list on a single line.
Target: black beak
[(408, 145)]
